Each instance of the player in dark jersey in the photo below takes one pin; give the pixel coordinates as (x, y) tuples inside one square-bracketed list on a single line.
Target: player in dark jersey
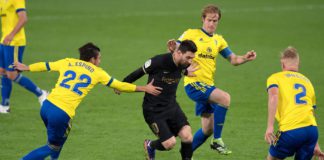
[(162, 113)]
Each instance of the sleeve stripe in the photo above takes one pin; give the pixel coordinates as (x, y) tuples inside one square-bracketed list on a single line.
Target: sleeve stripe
[(144, 70), (47, 66), (273, 85), (178, 41), (314, 107), (226, 52), (20, 9), (110, 81)]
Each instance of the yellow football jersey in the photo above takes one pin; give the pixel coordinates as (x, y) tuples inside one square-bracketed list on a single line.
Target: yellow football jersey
[(208, 48), (76, 79), (296, 100), (9, 20)]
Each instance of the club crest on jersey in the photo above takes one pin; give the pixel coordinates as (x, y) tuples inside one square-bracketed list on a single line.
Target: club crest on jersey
[(148, 63), (209, 49)]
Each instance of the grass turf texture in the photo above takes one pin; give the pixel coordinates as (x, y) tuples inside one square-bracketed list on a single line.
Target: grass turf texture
[(128, 32)]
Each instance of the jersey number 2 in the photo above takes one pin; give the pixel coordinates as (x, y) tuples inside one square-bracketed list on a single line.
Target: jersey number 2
[(300, 94), (71, 75)]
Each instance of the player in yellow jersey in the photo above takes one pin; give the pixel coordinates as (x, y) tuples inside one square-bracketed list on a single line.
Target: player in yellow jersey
[(13, 41), (292, 102), (77, 77), (212, 103)]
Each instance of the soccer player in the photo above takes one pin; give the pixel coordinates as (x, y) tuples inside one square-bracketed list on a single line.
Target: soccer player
[(77, 77), (212, 103), (291, 100), (13, 42), (162, 113)]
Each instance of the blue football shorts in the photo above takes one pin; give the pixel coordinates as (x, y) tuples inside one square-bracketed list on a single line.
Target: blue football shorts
[(9, 55), (200, 92), (57, 122), (300, 141)]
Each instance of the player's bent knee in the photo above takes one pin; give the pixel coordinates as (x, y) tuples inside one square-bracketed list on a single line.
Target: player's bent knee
[(170, 143), (186, 137), (185, 134), (2, 71), (12, 75), (226, 101)]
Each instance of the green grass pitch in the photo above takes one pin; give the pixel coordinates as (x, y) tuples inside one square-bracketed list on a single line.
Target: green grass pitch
[(108, 126)]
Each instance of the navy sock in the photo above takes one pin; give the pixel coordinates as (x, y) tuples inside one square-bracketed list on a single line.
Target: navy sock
[(5, 90), (198, 139), (55, 155), (28, 84), (219, 119), (186, 150), (39, 153)]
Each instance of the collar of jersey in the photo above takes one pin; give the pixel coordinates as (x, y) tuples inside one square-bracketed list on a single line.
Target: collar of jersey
[(209, 35)]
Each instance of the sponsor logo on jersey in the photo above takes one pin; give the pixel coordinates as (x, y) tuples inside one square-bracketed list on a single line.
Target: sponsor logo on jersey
[(208, 56)]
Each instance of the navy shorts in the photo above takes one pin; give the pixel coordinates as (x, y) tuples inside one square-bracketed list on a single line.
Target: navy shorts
[(9, 55), (300, 141), (200, 92), (57, 122)]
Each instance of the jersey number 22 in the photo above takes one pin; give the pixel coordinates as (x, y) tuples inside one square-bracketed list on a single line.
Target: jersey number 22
[(85, 81)]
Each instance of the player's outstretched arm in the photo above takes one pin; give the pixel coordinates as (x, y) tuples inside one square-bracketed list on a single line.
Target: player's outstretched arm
[(172, 45), (149, 88), (35, 67), (128, 87), (238, 60), (272, 107), (190, 71), (21, 67), (132, 77)]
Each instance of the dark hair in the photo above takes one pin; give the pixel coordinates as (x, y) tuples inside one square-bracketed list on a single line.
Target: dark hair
[(88, 51), (211, 8), (187, 45)]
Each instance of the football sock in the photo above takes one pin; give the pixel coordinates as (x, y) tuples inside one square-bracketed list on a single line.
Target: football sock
[(28, 84), (186, 150), (219, 119), (39, 153), (5, 90), (198, 139), (157, 144), (55, 155)]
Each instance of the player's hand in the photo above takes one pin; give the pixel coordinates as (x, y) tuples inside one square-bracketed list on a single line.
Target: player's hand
[(192, 68), (250, 55), (153, 89), (117, 91), (269, 137), (7, 40), (318, 154), (20, 66), (171, 45)]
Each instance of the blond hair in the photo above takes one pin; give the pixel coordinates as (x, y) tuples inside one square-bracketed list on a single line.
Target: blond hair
[(210, 8), (290, 53)]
